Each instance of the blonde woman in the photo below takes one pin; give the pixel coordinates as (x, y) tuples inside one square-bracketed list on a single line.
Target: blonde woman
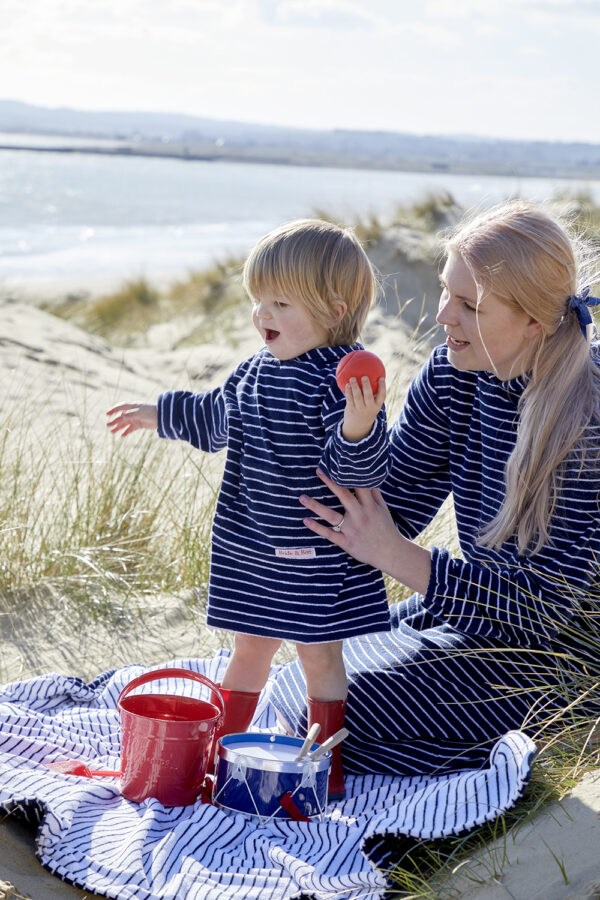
[(280, 415), (505, 417)]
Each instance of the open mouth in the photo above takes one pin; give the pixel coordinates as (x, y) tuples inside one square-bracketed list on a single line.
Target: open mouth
[(270, 335), (452, 342)]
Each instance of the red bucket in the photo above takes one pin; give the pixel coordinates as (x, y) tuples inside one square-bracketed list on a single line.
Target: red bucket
[(166, 739)]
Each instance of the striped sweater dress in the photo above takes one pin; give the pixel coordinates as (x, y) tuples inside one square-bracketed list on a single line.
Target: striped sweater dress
[(498, 639), (279, 420)]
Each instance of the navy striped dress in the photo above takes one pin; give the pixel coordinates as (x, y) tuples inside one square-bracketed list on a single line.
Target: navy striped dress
[(498, 639), (279, 420)]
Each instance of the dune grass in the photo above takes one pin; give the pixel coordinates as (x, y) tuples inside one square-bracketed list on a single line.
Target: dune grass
[(103, 531), (209, 297), (124, 518), (209, 300), (111, 527), (97, 536)]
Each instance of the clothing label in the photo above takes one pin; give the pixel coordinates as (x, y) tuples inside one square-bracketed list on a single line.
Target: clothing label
[(296, 552)]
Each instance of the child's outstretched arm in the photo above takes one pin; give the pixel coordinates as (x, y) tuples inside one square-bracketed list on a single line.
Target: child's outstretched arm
[(129, 417), (362, 407)]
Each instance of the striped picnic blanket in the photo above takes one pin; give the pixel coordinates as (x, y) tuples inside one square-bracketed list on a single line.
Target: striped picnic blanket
[(93, 838)]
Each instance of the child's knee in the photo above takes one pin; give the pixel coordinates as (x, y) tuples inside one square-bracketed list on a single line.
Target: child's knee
[(321, 656), (255, 645)]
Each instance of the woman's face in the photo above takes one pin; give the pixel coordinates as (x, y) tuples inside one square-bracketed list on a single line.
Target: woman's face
[(487, 335)]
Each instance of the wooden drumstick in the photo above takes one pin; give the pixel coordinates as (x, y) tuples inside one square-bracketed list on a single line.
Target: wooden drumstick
[(329, 744), (311, 737)]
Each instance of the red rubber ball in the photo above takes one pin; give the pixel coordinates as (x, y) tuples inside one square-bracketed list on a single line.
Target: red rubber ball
[(356, 364)]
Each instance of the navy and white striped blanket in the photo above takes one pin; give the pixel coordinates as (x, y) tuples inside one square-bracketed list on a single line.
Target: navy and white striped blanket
[(93, 838)]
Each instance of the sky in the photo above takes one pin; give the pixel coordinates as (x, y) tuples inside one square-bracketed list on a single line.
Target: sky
[(499, 68)]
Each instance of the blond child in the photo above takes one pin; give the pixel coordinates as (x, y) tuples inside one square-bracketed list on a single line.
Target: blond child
[(281, 416)]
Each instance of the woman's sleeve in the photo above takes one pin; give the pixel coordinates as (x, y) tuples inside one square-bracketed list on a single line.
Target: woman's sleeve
[(419, 479), (519, 601), (200, 419), (353, 464)]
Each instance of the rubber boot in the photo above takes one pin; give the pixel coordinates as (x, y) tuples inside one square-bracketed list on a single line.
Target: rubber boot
[(240, 707), (330, 715)]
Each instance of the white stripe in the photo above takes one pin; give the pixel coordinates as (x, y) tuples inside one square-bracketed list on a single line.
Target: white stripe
[(98, 841)]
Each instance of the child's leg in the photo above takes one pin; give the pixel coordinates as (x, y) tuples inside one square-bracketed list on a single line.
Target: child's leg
[(245, 676), (326, 687), (323, 666), (248, 667)]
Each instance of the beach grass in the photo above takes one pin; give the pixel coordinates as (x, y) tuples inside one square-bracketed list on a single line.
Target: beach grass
[(209, 300), (133, 518), (117, 524), (101, 530)]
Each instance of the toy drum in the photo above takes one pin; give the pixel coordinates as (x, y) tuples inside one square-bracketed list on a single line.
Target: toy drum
[(255, 771)]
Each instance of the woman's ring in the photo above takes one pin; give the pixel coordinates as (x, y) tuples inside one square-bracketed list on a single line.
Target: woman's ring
[(337, 528)]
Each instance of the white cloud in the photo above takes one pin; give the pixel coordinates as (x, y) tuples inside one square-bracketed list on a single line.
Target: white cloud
[(332, 14), (383, 64), (524, 12)]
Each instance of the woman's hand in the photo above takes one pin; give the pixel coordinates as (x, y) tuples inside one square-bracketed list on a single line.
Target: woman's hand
[(367, 526), (129, 417), (368, 533)]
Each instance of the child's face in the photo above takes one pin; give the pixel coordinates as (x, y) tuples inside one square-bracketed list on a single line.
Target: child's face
[(287, 327)]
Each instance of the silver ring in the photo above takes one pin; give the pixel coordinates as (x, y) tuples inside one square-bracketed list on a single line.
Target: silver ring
[(337, 528)]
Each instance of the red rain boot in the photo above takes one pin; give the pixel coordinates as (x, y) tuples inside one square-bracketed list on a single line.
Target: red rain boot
[(330, 715), (239, 710)]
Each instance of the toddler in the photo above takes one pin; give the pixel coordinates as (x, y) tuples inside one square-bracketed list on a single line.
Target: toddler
[(281, 416)]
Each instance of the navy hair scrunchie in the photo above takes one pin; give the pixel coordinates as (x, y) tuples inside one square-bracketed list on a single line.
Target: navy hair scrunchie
[(579, 303)]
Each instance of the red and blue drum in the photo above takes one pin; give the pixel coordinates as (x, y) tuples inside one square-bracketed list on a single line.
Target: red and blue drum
[(255, 771)]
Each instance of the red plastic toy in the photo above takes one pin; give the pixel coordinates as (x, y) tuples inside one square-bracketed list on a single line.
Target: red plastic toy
[(356, 364)]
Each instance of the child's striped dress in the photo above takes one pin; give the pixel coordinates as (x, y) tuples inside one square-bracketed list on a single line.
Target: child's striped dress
[(279, 420)]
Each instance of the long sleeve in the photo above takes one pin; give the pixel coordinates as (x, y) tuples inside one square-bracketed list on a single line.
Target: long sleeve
[(353, 464), (419, 476), (269, 574), (200, 419), (523, 602)]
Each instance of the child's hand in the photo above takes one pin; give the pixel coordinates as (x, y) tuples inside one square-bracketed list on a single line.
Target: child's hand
[(361, 407), (130, 417)]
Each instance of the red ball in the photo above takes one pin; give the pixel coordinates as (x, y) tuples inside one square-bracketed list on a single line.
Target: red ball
[(356, 364)]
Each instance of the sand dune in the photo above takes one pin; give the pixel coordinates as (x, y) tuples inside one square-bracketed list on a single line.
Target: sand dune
[(59, 381)]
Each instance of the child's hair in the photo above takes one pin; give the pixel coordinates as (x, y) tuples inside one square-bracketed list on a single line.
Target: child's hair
[(520, 254), (318, 263)]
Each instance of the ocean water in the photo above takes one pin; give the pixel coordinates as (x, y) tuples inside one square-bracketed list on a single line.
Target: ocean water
[(80, 220)]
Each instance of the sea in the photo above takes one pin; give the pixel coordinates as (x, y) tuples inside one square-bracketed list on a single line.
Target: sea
[(83, 220)]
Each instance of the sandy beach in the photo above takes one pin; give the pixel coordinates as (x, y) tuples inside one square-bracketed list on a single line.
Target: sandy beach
[(61, 380)]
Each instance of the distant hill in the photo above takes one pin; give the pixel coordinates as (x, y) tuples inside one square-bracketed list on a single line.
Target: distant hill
[(193, 137)]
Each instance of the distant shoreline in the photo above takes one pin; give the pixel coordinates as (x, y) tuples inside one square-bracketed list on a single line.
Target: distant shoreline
[(188, 153)]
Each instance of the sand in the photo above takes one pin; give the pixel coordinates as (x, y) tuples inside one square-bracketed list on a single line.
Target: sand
[(62, 381), (556, 855)]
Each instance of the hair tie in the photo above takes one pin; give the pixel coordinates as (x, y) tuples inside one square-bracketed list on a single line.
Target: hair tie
[(579, 303)]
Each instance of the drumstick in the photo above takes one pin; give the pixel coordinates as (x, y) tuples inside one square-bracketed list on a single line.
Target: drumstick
[(311, 737), (329, 744)]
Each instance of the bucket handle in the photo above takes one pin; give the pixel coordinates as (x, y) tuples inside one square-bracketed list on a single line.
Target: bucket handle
[(158, 674)]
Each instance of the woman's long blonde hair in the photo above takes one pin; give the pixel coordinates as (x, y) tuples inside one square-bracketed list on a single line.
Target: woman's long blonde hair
[(522, 255)]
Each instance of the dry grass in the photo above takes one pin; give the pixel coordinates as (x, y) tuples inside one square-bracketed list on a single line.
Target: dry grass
[(138, 522), (209, 299)]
